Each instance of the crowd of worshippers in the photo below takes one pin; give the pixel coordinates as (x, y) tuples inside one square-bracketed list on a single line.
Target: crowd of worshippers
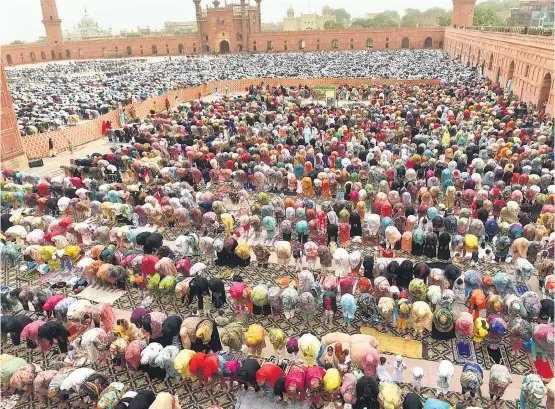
[(48, 97), (455, 174)]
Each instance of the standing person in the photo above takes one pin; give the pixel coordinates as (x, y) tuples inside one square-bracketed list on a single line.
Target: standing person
[(167, 103), (51, 150), (399, 367)]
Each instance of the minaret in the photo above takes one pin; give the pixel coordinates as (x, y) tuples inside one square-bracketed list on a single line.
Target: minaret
[(244, 28), (200, 36), (463, 13), (216, 3), (259, 14), (52, 23)]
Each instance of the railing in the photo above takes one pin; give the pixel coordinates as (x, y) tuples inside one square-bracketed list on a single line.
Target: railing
[(537, 31)]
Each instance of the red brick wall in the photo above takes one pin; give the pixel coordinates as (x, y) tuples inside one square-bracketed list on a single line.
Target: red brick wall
[(169, 45), (36, 146), (525, 59), (12, 145)]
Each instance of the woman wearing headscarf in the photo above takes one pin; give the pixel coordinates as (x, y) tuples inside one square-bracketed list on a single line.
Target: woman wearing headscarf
[(165, 400), (13, 326), (53, 330), (499, 381), (471, 379), (532, 392), (170, 331), (207, 333), (246, 374), (295, 383), (367, 393), (412, 401), (152, 323), (267, 376)]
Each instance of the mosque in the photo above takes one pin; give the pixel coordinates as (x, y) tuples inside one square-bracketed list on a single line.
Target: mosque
[(87, 29)]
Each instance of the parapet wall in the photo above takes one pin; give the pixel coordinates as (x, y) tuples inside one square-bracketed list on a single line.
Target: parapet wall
[(36, 146)]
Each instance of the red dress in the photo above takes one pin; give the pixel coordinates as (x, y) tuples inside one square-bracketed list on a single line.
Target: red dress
[(344, 232), (269, 373)]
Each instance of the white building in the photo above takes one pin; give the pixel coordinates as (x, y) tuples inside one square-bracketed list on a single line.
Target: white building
[(311, 21), (87, 29)]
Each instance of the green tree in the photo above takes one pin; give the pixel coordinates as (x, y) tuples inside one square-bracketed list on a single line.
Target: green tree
[(444, 20), (409, 21), (333, 25), (412, 12), (341, 15), (382, 21), (361, 23), (500, 5), (17, 42), (486, 16), (392, 14)]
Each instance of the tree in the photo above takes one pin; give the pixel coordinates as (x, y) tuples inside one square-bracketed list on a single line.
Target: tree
[(341, 15), (361, 23), (17, 42), (383, 21), (500, 5), (333, 25), (486, 16), (444, 20), (409, 21), (412, 12), (392, 14)]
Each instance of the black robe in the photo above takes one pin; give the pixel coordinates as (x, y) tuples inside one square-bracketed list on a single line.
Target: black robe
[(218, 292), (247, 372), (368, 265), (142, 400), (367, 393), (170, 329), (54, 330), (356, 226), (14, 325)]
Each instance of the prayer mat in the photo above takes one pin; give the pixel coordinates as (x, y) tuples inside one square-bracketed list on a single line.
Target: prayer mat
[(442, 336), (464, 350), (100, 295), (495, 355), (522, 288), (395, 345), (544, 369)]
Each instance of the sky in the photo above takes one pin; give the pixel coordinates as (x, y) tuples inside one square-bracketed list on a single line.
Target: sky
[(21, 19)]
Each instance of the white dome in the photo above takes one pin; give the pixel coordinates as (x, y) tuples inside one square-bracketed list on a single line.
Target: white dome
[(87, 20)]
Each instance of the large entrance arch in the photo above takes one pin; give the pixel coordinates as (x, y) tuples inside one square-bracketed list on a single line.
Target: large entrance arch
[(546, 88), (510, 75), (224, 47), (511, 71)]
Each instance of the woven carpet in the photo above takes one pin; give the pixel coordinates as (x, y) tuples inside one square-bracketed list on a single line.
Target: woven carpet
[(195, 398), (395, 345)]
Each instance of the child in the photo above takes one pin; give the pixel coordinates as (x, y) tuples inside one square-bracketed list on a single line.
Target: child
[(417, 376), (207, 304), (381, 370), (475, 257), (398, 369), (345, 364), (487, 257)]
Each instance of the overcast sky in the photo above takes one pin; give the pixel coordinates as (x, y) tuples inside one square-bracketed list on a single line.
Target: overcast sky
[(21, 19)]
